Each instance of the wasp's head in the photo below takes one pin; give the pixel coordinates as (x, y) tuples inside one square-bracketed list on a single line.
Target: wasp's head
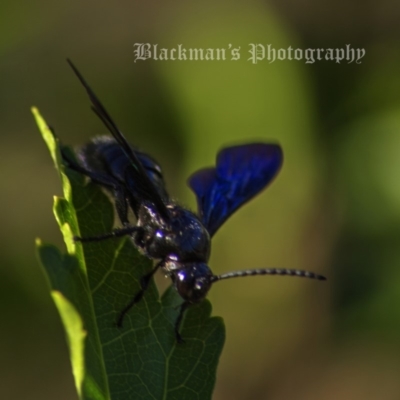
[(192, 280)]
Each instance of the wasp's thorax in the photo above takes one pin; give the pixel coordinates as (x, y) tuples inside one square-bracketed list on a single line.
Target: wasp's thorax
[(181, 238), (183, 243)]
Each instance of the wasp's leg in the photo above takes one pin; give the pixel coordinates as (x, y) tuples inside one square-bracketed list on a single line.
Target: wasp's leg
[(178, 321), (129, 230), (104, 180), (144, 284), (107, 181)]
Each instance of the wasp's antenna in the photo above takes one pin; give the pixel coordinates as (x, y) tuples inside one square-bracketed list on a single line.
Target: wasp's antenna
[(268, 271)]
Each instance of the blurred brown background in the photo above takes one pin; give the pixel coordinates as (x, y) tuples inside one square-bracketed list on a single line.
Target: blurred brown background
[(334, 208)]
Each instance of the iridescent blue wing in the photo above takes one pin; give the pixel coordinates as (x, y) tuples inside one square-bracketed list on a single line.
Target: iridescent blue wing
[(241, 172)]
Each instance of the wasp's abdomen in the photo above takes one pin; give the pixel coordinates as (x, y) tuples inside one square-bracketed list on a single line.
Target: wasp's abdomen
[(103, 154)]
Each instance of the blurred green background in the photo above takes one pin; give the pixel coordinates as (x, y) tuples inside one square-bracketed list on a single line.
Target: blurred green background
[(334, 208)]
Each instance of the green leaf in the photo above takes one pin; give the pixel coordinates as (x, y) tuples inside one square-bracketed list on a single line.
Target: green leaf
[(93, 282), (75, 334)]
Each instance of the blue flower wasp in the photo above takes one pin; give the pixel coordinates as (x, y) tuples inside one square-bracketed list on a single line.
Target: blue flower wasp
[(174, 236)]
